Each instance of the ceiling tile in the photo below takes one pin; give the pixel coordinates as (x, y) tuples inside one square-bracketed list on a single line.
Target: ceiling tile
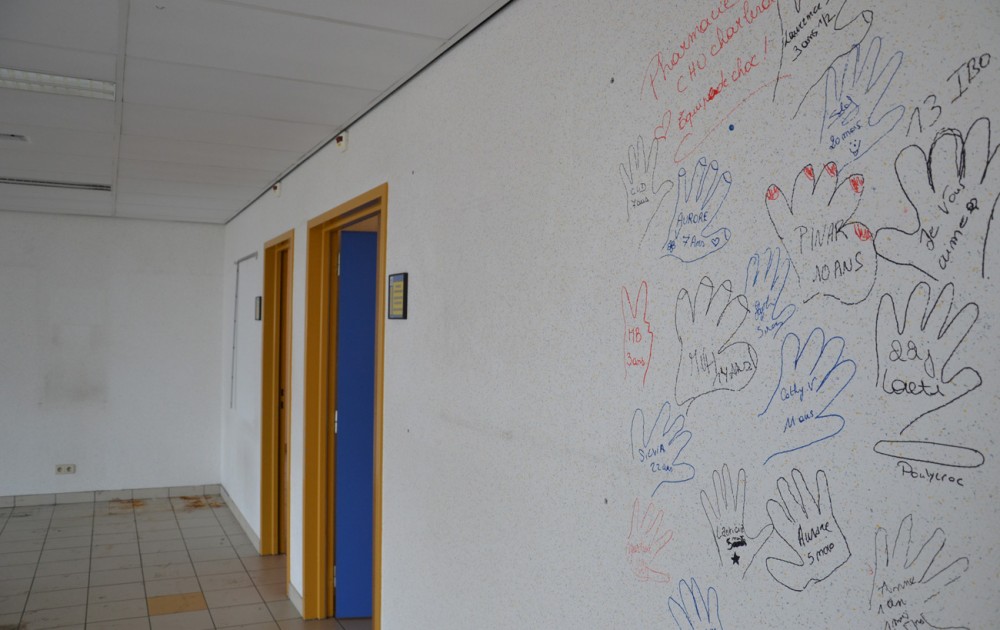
[(53, 60), (205, 154), (185, 124), (180, 190), (259, 42), (56, 111), (225, 91), (180, 172), (90, 25), (54, 200), (166, 212), (433, 18), (62, 141), (56, 167)]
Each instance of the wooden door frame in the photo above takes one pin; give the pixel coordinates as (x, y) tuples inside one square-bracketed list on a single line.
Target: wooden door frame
[(320, 379), (270, 456)]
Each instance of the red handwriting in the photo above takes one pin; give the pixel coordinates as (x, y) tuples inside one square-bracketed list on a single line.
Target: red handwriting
[(637, 343)]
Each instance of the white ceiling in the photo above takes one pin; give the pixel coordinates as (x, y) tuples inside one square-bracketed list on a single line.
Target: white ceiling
[(216, 99)]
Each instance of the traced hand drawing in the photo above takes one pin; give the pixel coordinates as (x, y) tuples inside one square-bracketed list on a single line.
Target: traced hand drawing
[(832, 253), (812, 37), (913, 355), (643, 191), (807, 524), (812, 375), (658, 446), (710, 359), (735, 547), (699, 199), (954, 192), (905, 584), (692, 611), (852, 121), (637, 342), (767, 275), (647, 537)]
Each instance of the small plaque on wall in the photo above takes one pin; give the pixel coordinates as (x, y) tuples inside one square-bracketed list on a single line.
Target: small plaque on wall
[(397, 296)]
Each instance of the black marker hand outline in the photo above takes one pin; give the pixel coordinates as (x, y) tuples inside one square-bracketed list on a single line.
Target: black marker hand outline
[(726, 516)]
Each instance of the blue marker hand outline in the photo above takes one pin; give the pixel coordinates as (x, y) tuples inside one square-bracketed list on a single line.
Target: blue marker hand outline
[(693, 611), (659, 446), (767, 275), (699, 199), (812, 376), (853, 95)]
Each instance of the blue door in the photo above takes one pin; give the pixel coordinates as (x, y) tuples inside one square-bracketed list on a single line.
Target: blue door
[(356, 421)]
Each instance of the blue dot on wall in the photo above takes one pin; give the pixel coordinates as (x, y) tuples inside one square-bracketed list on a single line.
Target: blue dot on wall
[(731, 127)]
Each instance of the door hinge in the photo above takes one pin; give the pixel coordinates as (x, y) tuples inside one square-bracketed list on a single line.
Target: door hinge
[(335, 419), (334, 576), (338, 263)]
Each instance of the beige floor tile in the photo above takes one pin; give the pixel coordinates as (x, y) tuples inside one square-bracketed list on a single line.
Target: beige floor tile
[(214, 553), (141, 623), (59, 582), (114, 539), (168, 571), (160, 546), (10, 619), (261, 563), (202, 532), (273, 592), (115, 562), (267, 625), (109, 611), (181, 602), (215, 567), (172, 586), (62, 568), (116, 593), (54, 617), (283, 609), (12, 603), (15, 586), (233, 597), (164, 557), (224, 581), (240, 615), (39, 600), (268, 576), (207, 542), (117, 576), (199, 620), (63, 555), (69, 532), (120, 549), (19, 557), (316, 624), (164, 534), (20, 546)]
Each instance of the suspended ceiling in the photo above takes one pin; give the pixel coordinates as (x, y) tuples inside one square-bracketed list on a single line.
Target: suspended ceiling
[(215, 99)]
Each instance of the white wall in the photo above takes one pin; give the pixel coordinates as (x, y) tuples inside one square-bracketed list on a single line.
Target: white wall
[(509, 481), (109, 353)]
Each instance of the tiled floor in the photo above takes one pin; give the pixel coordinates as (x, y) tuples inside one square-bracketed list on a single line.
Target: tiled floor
[(158, 564)]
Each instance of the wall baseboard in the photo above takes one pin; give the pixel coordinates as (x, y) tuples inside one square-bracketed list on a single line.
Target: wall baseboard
[(90, 496), (254, 539)]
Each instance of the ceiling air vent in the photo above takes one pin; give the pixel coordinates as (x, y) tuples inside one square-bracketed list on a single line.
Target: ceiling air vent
[(13, 137), (50, 184)]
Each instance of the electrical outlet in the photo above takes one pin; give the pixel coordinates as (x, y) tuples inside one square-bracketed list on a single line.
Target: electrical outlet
[(65, 469)]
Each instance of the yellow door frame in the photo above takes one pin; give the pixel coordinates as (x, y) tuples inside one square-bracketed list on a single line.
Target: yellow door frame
[(320, 378), (277, 327)]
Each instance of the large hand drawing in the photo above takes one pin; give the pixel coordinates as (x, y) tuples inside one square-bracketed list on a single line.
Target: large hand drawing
[(643, 190), (658, 446), (691, 236), (647, 537), (852, 121), (692, 611), (812, 375), (736, 548), (767, 275), (913, 355), (637, 342), (807, 524), (811, 37), (905, 584), (954, 192), (832, 253), (710, 359)]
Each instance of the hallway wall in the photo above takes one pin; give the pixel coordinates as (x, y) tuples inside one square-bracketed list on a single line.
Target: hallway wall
[(109, 353)]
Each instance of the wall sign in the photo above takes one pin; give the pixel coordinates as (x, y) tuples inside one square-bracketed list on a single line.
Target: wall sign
[(397, 296)]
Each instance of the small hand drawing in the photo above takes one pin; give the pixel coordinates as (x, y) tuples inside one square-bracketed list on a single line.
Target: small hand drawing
[(736, 548), (850, 125), (954, 192), (692, 611), (808, 35), (637, 342), (710, 359), (646, 539), (913, 356), (642, 189), (903, 584), (832, 253), (659, 446), (691, 236), (812, 375), (807, 524), (767, 275)]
